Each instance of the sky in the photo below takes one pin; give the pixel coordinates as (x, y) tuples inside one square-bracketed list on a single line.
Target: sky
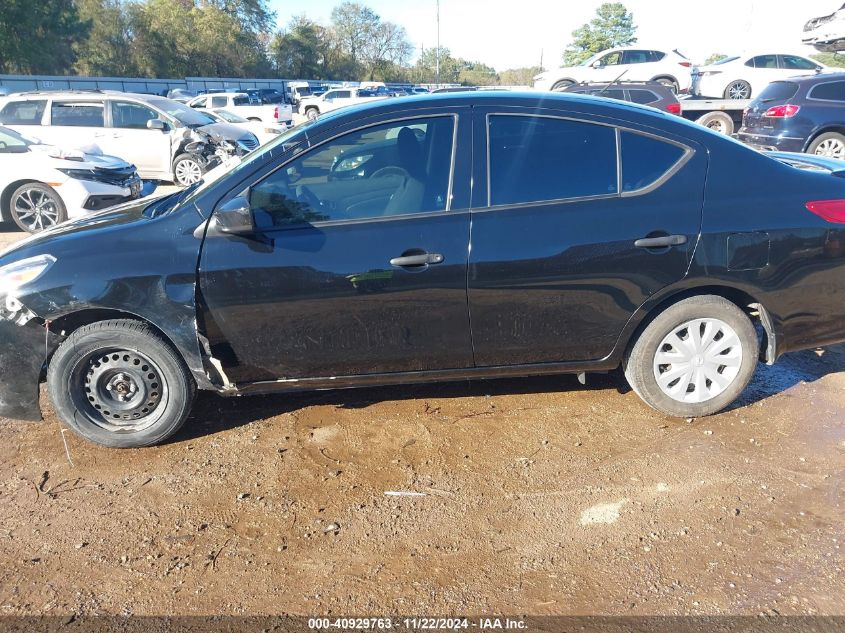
[(514, 34)]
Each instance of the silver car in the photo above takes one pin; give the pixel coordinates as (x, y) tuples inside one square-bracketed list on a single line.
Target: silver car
[(146, 130)]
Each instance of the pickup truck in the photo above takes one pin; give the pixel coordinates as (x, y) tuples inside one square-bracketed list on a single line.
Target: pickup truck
[(239, 103), (312, 107)]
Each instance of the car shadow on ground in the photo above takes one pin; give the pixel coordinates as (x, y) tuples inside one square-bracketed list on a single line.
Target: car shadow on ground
[(213, 414)]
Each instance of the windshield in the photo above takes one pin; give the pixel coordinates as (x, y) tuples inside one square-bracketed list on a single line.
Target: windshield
[(590, 60), (12, 143), (230, 117), (186, 115), (725, 60)]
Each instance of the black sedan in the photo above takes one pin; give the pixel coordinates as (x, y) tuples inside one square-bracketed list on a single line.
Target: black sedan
[(511, 234)]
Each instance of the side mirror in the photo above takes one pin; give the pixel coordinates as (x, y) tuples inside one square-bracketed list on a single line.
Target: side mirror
[(235, 217), (156, 124)]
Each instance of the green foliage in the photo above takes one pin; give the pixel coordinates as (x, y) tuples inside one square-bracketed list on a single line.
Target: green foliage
[(613, 26), (103, 52), (714, 58), (835, 60), (37, 37), (519, 76)]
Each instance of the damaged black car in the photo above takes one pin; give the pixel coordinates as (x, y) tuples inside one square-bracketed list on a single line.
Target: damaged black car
[(460, 236)]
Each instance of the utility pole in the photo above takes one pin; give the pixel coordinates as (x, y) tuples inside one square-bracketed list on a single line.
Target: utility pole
[(437, 56), (541, 60)]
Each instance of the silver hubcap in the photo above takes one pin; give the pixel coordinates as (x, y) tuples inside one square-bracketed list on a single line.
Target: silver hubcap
[(832, 148), (718, 126), (698, 360), (188, 172), (739, 90), (36, 210), (312, 114)]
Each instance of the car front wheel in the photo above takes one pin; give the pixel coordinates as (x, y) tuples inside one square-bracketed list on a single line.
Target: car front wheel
[(35, 207), (695, 358), (186, 170), (118, 384), (312, 113)]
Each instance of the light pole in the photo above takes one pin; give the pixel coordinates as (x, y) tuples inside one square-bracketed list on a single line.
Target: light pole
[(437, 54)]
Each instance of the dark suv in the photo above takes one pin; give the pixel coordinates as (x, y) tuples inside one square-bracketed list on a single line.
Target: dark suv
[(650, 93), (801, 114)]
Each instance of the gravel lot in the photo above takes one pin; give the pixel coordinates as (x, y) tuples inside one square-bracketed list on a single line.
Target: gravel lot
[(533, 496)]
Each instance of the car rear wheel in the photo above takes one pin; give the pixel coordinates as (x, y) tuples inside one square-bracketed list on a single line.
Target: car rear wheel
[(669, 83), (35, 207), (186, 170), (118, 384), (562, 85), (695, 358), (720, 122), (312, 113), (739, 89), (830, 144)]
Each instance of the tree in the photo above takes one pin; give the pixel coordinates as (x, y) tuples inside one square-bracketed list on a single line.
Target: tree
[(714, 58), (477, 74), (613, 26), (300, 51), (424, 71), (519, 76), (38, 37), (830, 59), (103, 52)]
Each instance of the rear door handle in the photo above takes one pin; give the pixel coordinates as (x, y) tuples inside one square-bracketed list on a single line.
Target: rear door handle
[(417, 260), (661, 242)]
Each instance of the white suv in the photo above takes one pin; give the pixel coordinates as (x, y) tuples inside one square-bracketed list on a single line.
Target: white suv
[(146, 130), (629, 63)]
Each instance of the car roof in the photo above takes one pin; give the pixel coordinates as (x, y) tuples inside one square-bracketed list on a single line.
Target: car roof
[(83, 95), (813, 79)]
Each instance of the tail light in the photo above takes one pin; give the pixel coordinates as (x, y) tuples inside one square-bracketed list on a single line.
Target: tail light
[(276, 112), (830, 210), (782, 111), (673, 108), (685, 64)]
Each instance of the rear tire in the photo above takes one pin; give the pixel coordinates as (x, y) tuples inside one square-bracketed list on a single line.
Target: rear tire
[(738, 89), (720, 122), (669, 83), (831, 144), (118, 384), (562, 85), (695, 358)]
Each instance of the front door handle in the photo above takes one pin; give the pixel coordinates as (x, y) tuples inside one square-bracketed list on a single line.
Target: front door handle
[(661, 242), (421, 259)]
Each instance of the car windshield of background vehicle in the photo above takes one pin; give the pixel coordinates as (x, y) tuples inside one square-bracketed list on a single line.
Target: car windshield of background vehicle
[(185, 115), (12, 143), (23, 112), (537, 159), (393, 169), (726, 60)]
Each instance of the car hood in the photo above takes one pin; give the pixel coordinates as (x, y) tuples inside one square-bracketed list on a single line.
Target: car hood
[(226, 131), (81, 158)]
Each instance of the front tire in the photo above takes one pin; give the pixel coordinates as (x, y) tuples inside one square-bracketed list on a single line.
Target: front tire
[(312, 113), (35, 207), (186, 170), (695, 358), (118, 384)]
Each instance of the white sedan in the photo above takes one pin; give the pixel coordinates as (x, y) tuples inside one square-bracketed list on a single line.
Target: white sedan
[(264, 132), (41, 185), (745, 76)]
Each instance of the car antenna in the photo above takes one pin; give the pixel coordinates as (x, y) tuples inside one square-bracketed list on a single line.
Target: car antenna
[(603, 90)]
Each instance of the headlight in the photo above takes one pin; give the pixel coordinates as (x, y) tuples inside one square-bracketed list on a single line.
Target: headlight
[(78, 174), (353, 162), (17, 274)]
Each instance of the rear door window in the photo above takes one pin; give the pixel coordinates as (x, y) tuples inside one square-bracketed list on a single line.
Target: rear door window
[(23, 112), (537, 159), (238, 101), (77, 113), (637, 57), (645, 160), (830, 91), (763, 61)]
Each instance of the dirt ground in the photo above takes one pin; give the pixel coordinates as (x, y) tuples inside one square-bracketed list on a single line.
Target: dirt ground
[(533, 496)]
